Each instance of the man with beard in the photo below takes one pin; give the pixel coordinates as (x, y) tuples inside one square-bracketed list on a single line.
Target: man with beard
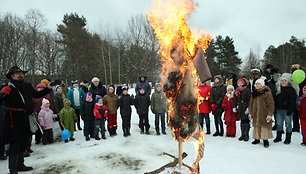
[(17, 97)]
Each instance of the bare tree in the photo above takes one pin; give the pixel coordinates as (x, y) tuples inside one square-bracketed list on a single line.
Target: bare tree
[(142, 49), (49, 55), (12, 52), (35, 20), (252, 60)]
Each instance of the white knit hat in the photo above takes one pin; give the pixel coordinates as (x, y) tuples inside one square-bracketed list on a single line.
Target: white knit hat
[(230, 87), (260, 81), (44, 102), (95, 79)]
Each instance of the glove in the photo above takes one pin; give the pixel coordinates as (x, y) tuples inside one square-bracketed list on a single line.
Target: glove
[(6, 90), (235, 110), (247, 111), (269, 118), (214, 107)]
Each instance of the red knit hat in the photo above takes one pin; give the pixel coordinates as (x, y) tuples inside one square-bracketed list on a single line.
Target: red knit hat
[(242, 80)]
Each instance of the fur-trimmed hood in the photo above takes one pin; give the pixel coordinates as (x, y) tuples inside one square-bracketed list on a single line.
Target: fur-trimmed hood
[(258, 92)]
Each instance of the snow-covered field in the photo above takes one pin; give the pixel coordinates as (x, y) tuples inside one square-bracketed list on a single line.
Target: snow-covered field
[(143, 153)]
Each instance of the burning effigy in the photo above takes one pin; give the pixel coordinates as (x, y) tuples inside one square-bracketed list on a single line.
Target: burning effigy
[(183, 66)]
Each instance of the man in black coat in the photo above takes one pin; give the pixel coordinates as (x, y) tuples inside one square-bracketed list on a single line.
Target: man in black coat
[(17, 97)]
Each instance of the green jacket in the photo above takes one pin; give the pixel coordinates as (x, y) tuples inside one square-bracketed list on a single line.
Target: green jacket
[(67, 117), (158, 102)]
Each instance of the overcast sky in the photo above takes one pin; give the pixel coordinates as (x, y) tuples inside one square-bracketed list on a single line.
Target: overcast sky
[(252, 24)]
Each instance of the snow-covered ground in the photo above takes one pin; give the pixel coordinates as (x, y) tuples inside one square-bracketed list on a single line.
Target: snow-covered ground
[(143, 153)]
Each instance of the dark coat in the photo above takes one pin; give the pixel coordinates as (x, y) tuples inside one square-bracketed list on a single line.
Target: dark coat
[(286, 99), (1, 117), (97, 90), (16, 125), (143, 84), (87, 110), (125, 103), (58, 103), (242, 103), (142, 103), (216, 97)]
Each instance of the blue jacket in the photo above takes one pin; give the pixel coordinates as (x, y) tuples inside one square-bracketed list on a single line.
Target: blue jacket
[(71, 98)]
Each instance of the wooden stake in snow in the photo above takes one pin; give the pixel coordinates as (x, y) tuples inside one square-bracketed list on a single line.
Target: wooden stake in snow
[(180, 152)]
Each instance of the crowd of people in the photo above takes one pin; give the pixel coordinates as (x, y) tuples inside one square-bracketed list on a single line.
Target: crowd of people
[(255, 101), (55, 104)]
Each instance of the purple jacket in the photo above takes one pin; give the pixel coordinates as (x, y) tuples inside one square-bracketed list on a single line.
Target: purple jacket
[(45, 118)]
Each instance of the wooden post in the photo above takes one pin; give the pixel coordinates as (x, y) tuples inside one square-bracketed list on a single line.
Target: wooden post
[(180, 153)]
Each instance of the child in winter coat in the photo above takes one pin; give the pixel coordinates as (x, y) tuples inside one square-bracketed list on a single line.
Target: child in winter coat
[(101, 114), (142, 103), (68, 118), (302, 115), (125, 103), (45, 118), (204, 106), (230, 117), (242, 100), (111, 102), (88, 116), (158, 107)]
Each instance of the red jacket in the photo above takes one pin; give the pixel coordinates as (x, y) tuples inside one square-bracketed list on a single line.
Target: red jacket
[(100, 111), (229, 115), (204, 94), (302, 109)]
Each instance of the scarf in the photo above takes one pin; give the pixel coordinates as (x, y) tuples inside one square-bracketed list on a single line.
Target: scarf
[(239, 90), (229, 95)]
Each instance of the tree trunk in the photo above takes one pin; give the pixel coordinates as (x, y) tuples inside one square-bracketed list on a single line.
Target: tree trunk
[(104, 65), (110, 65)]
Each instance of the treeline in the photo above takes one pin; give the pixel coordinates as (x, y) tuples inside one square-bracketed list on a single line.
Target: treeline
[(116, 56), (281, 57), (72, 52)]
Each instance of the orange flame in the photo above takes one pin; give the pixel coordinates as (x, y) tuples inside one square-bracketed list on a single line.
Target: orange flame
[(178, 47)]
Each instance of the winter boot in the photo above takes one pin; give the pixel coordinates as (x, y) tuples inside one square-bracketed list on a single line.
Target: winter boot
[(242, 132), (21, 166), (87, 138), (278, 137), (13, 164), (147, 131), (164, 131), (111, 133), (128, 131), (114, 131), (124, 131), (221, 130), (266, 143), (256, 141), (157, 131), (288, 138), (246, 134)]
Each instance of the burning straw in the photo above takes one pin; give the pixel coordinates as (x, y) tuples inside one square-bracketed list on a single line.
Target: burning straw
[(182, 54)]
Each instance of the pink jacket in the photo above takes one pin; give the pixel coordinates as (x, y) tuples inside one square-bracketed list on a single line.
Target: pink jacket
[(45, 118)]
